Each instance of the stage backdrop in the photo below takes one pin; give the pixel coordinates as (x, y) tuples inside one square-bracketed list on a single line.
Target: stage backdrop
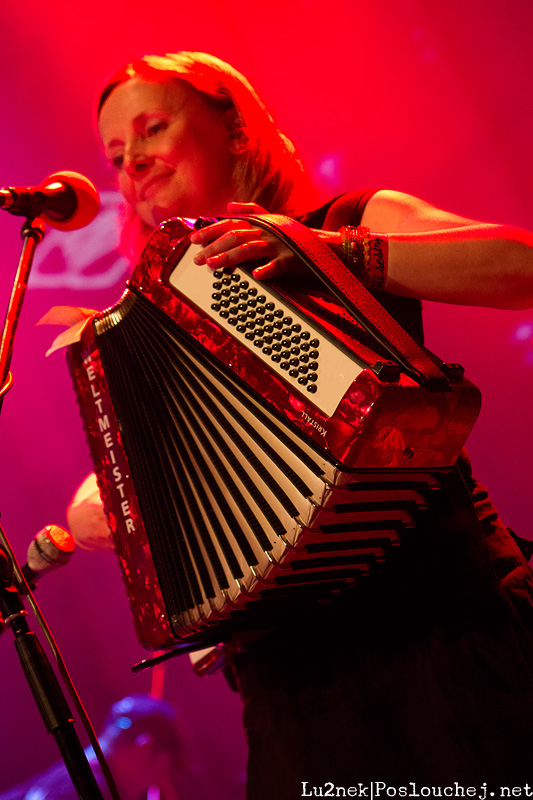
[(424, 97)]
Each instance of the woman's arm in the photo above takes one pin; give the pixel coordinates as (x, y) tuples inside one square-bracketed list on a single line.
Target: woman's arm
[(435, 255), (432, 254)]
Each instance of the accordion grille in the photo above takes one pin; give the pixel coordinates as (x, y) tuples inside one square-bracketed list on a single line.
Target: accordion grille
[(213, 481)]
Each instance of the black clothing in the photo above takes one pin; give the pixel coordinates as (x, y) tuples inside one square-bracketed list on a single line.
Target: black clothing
[(422, 673)]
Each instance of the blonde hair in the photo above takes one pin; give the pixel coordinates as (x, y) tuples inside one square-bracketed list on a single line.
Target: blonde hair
[(267, 171)]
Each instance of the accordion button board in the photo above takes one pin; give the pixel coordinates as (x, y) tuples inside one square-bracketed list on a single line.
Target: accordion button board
[(280, 336)]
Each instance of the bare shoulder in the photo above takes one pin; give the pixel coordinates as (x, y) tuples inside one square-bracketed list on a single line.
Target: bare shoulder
[(389, 211)]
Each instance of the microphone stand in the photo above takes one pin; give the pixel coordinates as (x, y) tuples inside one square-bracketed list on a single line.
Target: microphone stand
[(38, 671), (45, 687)]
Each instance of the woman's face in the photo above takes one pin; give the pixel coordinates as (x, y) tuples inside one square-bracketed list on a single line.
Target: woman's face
[(172, 152)]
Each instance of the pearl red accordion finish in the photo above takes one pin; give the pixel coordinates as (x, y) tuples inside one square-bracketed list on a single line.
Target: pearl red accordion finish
[(256, 450)]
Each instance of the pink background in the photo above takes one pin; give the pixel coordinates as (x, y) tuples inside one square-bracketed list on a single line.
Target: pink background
[(429, 98)]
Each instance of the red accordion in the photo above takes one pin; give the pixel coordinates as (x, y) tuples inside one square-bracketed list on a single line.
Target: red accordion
[(256, 448)]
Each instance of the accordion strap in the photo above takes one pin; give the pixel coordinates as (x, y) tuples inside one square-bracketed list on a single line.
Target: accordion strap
[(422, 365)]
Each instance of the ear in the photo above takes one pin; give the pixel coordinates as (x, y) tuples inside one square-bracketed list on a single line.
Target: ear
[(238, 140)]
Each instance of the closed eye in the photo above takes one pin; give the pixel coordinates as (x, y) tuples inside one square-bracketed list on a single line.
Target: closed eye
[(116, 161), (155, 127)]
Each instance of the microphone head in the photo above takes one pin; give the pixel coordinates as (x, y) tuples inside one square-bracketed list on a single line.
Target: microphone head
[(49, 549), (78, 209)]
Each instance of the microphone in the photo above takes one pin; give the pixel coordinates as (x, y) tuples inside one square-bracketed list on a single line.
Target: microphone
[(65, 200), (49, 549)]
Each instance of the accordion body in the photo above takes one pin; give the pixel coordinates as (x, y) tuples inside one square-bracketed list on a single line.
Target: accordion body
[(251, 458)]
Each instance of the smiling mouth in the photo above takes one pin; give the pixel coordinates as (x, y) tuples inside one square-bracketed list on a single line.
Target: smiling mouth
[(153, 185)]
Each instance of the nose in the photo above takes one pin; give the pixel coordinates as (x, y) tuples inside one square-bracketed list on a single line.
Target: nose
[(136, 161)]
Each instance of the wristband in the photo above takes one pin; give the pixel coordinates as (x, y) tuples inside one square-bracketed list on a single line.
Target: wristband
[(366, 255)]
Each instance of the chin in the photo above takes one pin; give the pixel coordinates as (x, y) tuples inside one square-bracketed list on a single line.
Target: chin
[(159, 213)]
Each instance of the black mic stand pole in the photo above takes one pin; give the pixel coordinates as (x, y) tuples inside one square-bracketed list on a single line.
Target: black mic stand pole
[(37, 669), (32, 233), (44, 686)]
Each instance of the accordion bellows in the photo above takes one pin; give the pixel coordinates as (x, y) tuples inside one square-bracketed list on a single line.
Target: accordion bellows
[(249, 458)]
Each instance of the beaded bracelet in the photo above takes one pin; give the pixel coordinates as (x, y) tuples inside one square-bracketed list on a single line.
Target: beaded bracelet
[(365, 254)]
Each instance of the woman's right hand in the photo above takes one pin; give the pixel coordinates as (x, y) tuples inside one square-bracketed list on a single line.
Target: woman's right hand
[(86, 517)]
